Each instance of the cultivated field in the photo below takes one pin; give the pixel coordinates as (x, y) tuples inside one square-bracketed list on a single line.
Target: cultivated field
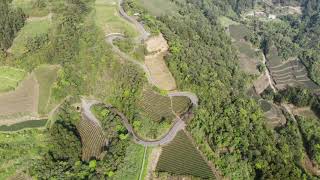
[(28, 6), (108, 19), (22, 101), (30, 30), (157, 48), (46, 76), (181, 157), (10, 78), (289, 73), (180, 104), (155, 106), (273, 114), (249, 58)]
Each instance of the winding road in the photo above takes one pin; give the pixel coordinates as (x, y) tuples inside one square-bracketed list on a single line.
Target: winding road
[(179, 123)]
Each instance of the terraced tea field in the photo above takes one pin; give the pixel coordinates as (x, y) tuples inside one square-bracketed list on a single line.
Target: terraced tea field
[(155, 106), (180, 104), (181, 157), (10, 78), (92, 138), (289, 73)]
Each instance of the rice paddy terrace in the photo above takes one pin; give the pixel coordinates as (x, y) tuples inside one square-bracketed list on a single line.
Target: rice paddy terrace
[(289, 73)]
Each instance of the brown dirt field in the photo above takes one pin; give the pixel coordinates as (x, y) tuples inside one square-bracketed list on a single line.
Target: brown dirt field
[(261, 84), (152, 163), (306, 112), (248, 65), (22, 101), (309, 166), (157, 47)]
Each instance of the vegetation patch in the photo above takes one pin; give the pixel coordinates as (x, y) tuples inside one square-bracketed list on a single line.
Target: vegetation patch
[(159, 7), (19, 149), (265, 105), (108, 19), (33, 29), (24, 125), (46, 76), (36, 8), (181, 157), (10, 78)]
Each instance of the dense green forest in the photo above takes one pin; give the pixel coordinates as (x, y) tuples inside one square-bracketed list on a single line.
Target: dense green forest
[(11, 21)]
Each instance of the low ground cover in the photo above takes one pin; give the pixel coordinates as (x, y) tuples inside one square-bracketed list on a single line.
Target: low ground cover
[(24, 125), (180, 104), (10, 78), (36, 8), (180, 157), (46, 76), (159, 7)]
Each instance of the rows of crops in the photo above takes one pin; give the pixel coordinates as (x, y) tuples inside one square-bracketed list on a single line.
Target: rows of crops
[(156, 106), (180, 104), (24, 125), (92, 139), (181, 157)]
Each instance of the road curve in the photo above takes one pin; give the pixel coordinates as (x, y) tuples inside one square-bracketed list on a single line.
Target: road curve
[(167, 138)]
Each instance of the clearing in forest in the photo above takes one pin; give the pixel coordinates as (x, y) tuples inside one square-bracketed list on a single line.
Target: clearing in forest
[(181, 157), (108, 19), (159, 7), (22, 101), (24, 125), (33, 8), (249, 58), (30, 30), (157, 48), (10, 78), (46, 76)]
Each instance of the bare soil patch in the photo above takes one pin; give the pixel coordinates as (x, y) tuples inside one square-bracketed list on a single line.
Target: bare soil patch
[(157, 48), (22, 101)]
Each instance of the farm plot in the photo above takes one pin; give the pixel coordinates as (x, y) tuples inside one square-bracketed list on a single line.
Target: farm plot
[(30, 8), (24, 125), (30, 30), (161, 76), (180, 104), (248, 56), (22, 101), (10, 78), (290, 73), (155, 106), (46, 76), (92, 139), (181, 157)]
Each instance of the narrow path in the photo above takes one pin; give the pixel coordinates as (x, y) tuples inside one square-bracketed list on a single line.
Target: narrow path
[(143, 162), (268, 73)]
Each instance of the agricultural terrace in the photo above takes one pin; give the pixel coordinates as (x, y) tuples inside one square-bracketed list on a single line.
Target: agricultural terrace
[(19, 149), (24, 125), (249, 58), (273, 114), (46, 76), (92, 139), (181, 157), (33, 8), (180, 104), (227, 22), (22, 101), (10, 78), (289, 72), (108, 19), (30, 30)]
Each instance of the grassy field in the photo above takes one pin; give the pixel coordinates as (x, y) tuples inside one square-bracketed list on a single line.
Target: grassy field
[(30, 30), (131, 167), (46, 76), (180, 157), (226, 22), (159, 7), (238, 31), (108, 19), (10, 78), (28, 6), (18, 149), (24, 125)]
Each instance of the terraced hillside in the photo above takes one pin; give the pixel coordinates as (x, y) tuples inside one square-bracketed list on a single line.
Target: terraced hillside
[(180, 157), (289, 73), (92, 138)]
